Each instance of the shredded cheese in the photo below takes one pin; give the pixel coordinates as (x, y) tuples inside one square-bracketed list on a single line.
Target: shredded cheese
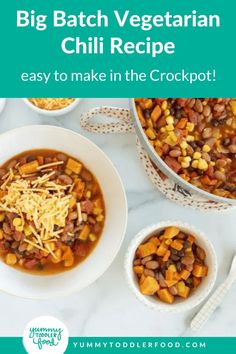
[(41, 203), (51, 104)]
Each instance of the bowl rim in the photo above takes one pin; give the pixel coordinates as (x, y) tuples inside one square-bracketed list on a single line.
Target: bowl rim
[(185, 304), (166, 169), (55, 112), (125, 222)]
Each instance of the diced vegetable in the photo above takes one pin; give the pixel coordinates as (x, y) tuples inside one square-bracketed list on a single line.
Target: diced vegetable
[(171, 232), (162, 249), (199, 270), (29, 167), (11, 259), (149, 286), (138, 270), (146, 249), (165, 296), (74, 166), (84, 234)]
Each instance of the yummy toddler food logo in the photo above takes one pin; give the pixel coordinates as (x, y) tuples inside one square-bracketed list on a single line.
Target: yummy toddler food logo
[(45, 334)]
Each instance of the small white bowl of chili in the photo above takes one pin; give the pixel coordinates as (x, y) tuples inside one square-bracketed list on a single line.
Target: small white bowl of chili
[(191, 296), (52, 107)]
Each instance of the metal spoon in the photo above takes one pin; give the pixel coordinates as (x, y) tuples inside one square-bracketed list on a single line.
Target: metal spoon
[(215, 300)]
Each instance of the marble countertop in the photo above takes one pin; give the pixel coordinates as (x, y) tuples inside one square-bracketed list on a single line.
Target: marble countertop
[(107, 307)]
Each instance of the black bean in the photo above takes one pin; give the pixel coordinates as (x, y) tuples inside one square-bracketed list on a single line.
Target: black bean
[(173, 251), (31, 158), (147, 113), (226, 142), (179, 266), (175, 258)]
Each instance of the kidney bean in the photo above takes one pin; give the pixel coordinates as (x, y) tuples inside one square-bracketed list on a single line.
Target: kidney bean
[(175, 153), (146, 259), (187, 260), (12, 164), (219, 108), (207, 133), (206, 110), (22, 247), (86, 176), (72, 215), (152, 265), (87, 206), (221, 163), (161, 280), (18, 236), (198, 106), (173, 290), (201, 253), (232, 149), (65, 179), (6, 228), (61, 157), (220, 175), (137, 262), (149, 273)]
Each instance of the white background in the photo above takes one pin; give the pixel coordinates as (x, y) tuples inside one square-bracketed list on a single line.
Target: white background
[(108, 308)]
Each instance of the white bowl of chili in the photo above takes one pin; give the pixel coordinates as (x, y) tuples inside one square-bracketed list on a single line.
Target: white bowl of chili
[(32, 285), (187, 298)]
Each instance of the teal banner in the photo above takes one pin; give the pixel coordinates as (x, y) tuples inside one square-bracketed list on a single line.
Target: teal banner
[(150, 345), (117, 48)]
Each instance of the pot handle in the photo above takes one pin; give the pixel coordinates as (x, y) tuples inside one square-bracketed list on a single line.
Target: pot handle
[(121, 120)]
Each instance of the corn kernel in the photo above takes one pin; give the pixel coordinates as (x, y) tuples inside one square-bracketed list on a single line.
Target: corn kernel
[(183, 145), (185, 164), (97, 211), (92, 237), (11, 259), (27, 230), (50, 246), (173, 136), (150, 133), (206, 148), (1, 234), (187, 158), (190, 138), (88, 194), (19, 228), (195, 164), (2, 217), (99, 218), (17, 222), (170, 127), (158, 143), (212, 163), (190, 126), (202, 164), (163, 130), (68, 172), (167, 112), (72, 202), (197, 155), (164, 105), (168, 241), (172, 267), (29, 247), (184, 152), (169, 120)]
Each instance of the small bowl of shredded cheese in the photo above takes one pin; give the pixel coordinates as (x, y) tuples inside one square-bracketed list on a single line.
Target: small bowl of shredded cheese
[(52, 106)]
